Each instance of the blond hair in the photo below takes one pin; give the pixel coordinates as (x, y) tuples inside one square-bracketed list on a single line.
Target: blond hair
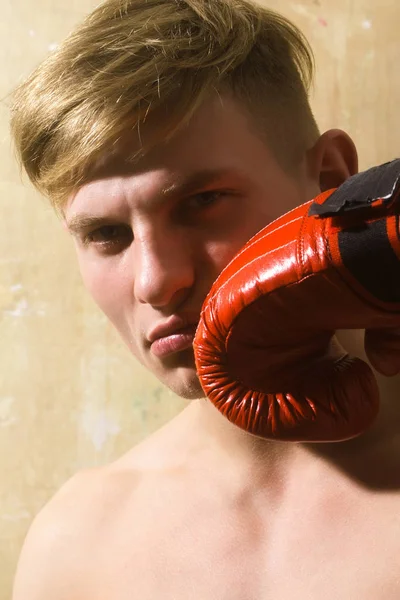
[(131, 58)]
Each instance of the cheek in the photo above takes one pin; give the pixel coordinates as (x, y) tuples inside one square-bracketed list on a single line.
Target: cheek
[(103, 281), (111, 291), (251, 221), (255, 213), (222, 252)]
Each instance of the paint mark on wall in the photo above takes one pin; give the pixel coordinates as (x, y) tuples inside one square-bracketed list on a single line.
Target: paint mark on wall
[(16, 516), (22, 309), (19, 310), (98, 425), (303, 10), (310, 14), (7, 417)]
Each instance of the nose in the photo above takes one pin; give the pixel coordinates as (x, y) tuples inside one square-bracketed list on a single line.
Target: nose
[(164, 270)]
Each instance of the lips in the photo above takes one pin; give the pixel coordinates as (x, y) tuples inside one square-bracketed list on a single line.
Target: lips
[(172, 336)]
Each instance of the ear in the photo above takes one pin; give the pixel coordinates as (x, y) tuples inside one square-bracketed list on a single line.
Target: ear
[(332, 160)]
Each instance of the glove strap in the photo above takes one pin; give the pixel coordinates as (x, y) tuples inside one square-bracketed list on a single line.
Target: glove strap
[(377, 186)]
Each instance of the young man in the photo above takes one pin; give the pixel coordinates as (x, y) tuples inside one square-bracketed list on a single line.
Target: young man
[(167, 133)]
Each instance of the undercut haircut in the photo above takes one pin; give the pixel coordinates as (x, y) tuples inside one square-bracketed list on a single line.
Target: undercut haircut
[(130, 60)]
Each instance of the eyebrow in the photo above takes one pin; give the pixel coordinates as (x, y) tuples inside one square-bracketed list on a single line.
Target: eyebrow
[(194, 183), (84, 221), (184, 187)]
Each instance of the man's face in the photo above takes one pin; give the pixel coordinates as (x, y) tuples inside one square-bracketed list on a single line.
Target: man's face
[(152, 238)]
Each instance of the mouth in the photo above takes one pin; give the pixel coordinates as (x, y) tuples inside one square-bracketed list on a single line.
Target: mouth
[(176, 341)]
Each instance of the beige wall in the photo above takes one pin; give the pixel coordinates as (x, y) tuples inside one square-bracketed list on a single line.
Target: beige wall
[(70, 395)]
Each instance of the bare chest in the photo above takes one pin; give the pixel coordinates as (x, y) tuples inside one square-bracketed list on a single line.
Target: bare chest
[(234, 555)]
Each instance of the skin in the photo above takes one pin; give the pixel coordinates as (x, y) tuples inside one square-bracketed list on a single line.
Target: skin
[(202, 509)]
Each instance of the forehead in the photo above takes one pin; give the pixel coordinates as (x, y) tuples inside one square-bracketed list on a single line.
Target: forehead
[(221, 127), (220, 138)]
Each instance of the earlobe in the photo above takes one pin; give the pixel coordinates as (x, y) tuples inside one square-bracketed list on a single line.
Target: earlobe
[(333, 159)]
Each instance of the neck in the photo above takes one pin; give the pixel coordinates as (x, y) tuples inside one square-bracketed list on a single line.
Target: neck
[(371, 460), (243, 458)]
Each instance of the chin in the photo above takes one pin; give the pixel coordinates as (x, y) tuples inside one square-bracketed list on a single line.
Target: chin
[(181, 378), (184, 383)]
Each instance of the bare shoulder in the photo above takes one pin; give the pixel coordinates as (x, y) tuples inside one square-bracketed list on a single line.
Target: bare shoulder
[(72, 538), (56, 553)]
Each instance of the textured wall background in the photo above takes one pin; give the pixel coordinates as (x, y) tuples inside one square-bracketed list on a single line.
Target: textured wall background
[(70, 394)]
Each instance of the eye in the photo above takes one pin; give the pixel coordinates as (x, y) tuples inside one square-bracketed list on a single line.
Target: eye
[(109, 237), (204, 199)]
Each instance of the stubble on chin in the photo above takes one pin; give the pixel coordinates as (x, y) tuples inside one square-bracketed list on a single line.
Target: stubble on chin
[(178, 373)]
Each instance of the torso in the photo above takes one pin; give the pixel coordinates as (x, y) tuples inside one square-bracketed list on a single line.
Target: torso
[(179, 533)]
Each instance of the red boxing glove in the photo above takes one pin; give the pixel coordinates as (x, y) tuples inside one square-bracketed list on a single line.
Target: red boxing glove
[(264, 348)]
